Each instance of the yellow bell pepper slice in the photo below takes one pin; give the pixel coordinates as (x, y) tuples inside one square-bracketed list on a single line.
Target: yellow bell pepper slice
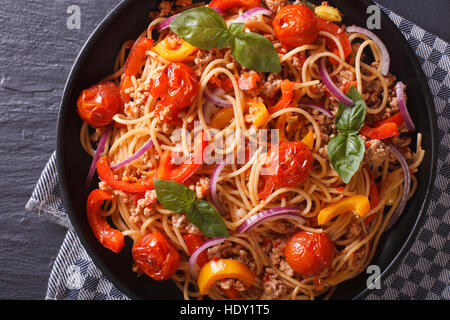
[(328, 13), (359, 204), (308, 140), (163, 48), (223, 269), (222, 118), (258, 112)]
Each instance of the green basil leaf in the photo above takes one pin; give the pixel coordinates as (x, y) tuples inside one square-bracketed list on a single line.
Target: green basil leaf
[(173, 196), (253, 50), (207, 219), (351, 119), (202, 27), (346, 152)]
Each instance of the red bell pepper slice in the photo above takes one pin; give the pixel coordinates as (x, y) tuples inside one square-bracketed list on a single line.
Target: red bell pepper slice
[(110, 238), (193, 242), (133, 65), (106, 174), (287, 90), (396, 118), (380, 132), (168, 171), (228, 4)]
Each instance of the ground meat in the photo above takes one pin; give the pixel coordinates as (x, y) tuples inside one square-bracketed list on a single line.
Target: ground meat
[(275, 5), (270, 87), (181, 222), (345, 78), (203, 58), (183, 3), (232, 251), (376, 152), (165, 7), (227, 284), (354, 231), (146, 204), (202, 187), (402, 145), (273, 287), (276, 255)]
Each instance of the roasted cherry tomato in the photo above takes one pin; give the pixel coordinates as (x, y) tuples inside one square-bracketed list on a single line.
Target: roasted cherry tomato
[(309, 253), (290, 163), (176, 86), (133, 65), (156, 256), (330, 27), (110, 238), (228, 4), (295, 25), (98, 104), (193, 242)]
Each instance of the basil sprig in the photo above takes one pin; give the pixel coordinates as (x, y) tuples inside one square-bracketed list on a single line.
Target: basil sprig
[(204, 28), (346, 149), (178, 198)]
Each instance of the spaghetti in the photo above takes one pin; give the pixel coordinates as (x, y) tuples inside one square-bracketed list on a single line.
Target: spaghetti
[(152, 124)]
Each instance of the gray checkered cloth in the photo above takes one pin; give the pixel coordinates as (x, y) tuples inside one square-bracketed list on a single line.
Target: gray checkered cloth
[(423, 273)]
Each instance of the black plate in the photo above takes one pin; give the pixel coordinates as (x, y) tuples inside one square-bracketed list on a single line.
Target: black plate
[(96, 60)]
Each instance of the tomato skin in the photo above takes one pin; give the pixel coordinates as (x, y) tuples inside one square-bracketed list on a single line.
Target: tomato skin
[(309, 253), (99, 103), (110, 238), (176, 86), (291, 163), (228, 4), (156, 256), (295, 25), (193, 242)]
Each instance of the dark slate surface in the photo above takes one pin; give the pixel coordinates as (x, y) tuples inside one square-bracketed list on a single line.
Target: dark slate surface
[(37, 51)]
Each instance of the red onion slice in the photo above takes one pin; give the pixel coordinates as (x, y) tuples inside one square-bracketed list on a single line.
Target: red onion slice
[(98, 152), (213, 188), (136, 155), (251, 13), (214, 99), (385, 59), (269, 215), (331, 86), (166, 23), (317, 107), (406, 188), (194, 268), (400, 90)]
